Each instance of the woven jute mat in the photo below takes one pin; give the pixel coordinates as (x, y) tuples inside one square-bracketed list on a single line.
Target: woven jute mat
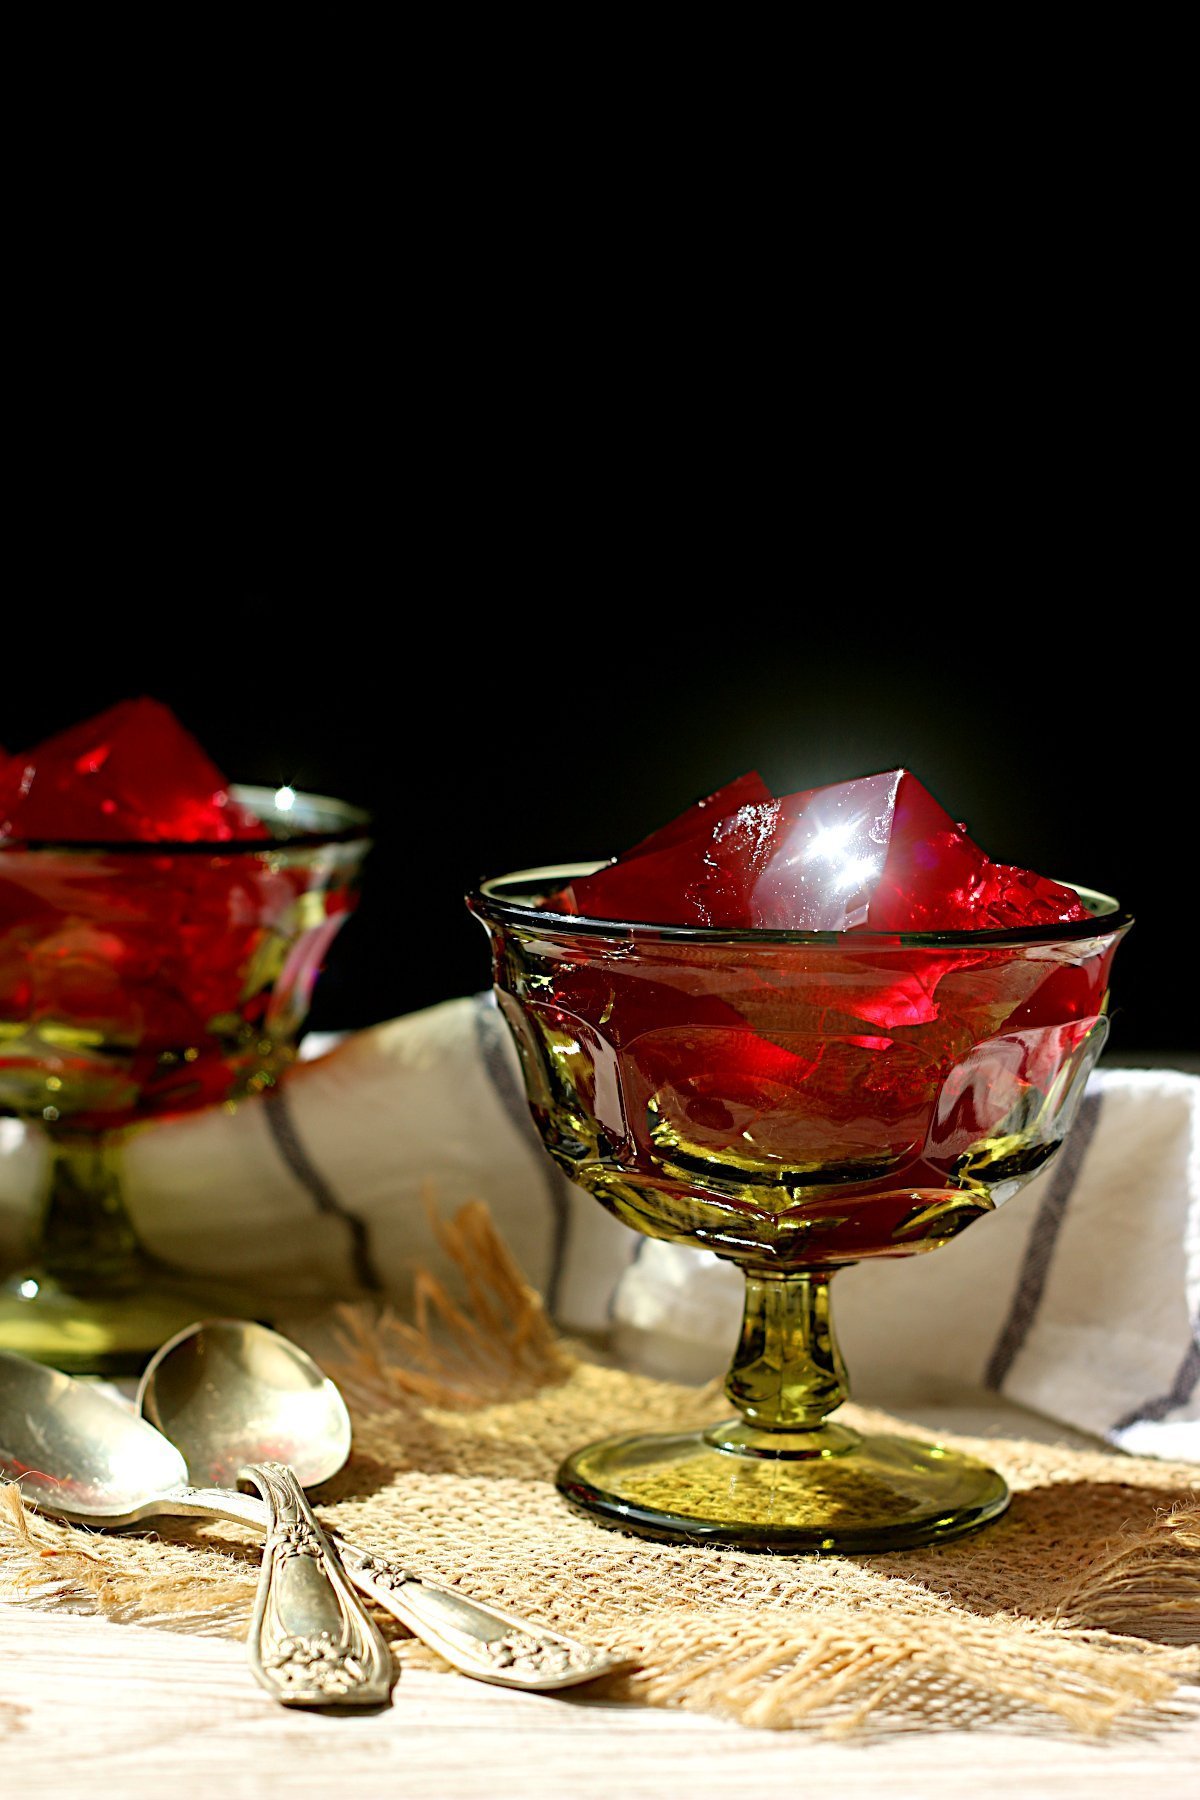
[(1078, 1610)]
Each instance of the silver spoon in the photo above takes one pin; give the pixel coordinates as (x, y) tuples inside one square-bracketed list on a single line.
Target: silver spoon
[(228, 1392), (231, 1390), (81, 1456)]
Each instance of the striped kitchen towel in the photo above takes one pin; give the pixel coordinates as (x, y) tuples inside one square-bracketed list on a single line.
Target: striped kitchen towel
[(1080, 1298)]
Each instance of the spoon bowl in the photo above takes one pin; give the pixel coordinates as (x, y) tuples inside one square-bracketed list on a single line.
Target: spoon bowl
[(75, 1452), (228, 1392)]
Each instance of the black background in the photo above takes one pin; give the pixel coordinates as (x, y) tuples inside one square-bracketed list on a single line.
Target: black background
[(554, 687), (523, 487), (524, 529)]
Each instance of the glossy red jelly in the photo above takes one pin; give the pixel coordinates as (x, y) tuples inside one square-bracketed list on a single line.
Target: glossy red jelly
[(865, 1032), (132, 774), (157, 943), (876, 854)]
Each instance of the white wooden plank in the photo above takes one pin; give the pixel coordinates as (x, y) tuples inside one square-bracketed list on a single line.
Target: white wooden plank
[(91, 1709)]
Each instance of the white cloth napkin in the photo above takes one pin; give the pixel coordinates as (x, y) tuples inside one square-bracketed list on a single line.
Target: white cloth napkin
[(1079, 1298)]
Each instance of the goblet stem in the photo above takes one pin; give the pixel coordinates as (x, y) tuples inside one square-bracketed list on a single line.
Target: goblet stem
[(780, 1476), (787, 1371), (87, 1239), (89, 1298)]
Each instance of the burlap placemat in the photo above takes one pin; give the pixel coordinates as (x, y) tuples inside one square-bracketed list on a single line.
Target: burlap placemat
[(1079, 1608)]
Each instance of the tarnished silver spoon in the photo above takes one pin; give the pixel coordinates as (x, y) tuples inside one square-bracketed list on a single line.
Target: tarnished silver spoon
[(81, 1456), (228, 1392)]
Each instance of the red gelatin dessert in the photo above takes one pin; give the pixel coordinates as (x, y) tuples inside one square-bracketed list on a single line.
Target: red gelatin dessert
[(132, 774), (158, 942), (876, 854), (731, 1086)]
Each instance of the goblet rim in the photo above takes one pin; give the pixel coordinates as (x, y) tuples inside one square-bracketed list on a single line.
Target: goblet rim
[(356, 829), (1112, 920)]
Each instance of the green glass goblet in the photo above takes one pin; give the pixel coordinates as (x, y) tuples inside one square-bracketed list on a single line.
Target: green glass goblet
[(138, 980), (794, 1102)]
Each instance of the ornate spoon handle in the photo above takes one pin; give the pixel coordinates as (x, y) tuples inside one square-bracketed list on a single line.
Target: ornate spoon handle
[(311, 1643), (478, 1640), (481, 1641)]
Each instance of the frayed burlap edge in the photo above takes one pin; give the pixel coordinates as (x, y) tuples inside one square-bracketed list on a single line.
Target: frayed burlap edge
[(1079, 1610)]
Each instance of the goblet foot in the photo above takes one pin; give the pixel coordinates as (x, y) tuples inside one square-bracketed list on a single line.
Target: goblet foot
[(823, 1489), (110, 1329)]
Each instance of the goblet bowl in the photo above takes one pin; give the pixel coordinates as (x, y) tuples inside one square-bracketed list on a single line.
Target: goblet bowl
[(139, 980), (794, 1102)]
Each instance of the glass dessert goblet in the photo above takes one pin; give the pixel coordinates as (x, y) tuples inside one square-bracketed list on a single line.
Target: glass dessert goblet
[(794, 1102), (140, 979)]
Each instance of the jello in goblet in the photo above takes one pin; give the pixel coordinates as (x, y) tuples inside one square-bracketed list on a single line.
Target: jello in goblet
[(142, 976), (796, 1100)]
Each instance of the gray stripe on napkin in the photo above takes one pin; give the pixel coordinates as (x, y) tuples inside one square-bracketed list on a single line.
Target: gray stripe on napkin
[(1186, 1380), (1039, 1252), (306, 1172), (492, 1034)]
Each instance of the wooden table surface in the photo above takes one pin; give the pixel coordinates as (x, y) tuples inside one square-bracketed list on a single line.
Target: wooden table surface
[(91, 1709)]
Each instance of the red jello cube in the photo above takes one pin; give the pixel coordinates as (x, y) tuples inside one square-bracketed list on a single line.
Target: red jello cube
[(131, 774), (663, 877), (875, 854), (935, 879)]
